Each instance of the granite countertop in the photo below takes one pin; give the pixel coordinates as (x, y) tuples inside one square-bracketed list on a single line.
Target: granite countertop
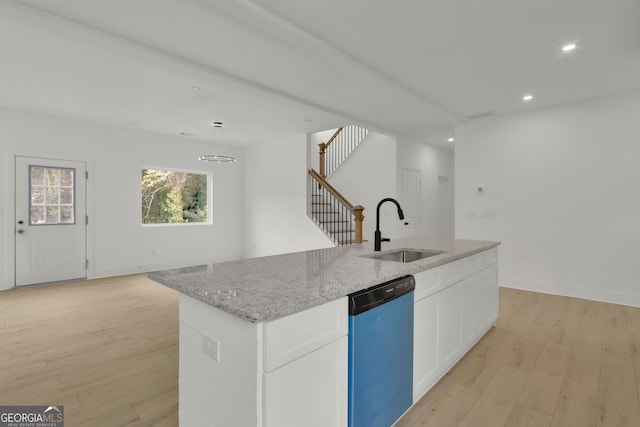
[(267, 288)]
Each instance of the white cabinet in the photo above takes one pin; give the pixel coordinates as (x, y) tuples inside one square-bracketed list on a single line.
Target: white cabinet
[(425, 344), (291, 337), (455, 305), (450, 325), (490, 294), (310, 391), (305, 368), (472, 309), (293, 371), (290, 372)]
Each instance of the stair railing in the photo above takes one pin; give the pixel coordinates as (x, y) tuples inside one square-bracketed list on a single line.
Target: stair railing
[(331, 207), (333, 152)]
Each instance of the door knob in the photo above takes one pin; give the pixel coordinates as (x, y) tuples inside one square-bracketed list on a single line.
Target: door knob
[(20, 231)]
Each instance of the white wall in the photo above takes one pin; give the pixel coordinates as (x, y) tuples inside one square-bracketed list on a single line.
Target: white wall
[(117, 243), (561, 195), (275, 217), (431, 162), (367, 176)]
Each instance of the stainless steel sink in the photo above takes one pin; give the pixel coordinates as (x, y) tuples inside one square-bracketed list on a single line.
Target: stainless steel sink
[(405, 255)]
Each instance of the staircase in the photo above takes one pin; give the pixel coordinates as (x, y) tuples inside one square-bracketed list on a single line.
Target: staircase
[(335, 215)]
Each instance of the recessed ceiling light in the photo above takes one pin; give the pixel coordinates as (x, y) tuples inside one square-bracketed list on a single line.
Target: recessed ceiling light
[(195, 88), (569, 47), (527, 98), (451, 139)]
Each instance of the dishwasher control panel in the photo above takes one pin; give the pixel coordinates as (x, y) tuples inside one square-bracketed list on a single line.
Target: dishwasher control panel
[(369, 298)]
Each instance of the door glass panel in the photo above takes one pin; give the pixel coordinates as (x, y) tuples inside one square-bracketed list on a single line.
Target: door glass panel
[(52, 195)]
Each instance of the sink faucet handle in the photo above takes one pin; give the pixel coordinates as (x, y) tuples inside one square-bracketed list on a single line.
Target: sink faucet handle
[(385, 239)]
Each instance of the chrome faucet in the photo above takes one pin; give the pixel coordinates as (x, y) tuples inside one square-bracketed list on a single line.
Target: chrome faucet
[(378, 235)]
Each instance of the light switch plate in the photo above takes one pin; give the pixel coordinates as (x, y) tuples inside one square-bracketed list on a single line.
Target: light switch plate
[(211, 347)]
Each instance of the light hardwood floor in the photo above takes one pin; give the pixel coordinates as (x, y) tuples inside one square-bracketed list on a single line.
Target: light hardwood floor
[(107, 351), (550, 361)]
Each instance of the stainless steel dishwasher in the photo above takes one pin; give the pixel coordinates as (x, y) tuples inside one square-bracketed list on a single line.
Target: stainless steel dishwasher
[(381, 353)]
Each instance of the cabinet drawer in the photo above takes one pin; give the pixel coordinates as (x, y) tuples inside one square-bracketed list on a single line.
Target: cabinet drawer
[(427, 283), (291, 337), (485, 259), (490, 257), (458, 270)]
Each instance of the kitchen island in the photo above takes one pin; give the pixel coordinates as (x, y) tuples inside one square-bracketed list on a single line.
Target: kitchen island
[(263, 342)]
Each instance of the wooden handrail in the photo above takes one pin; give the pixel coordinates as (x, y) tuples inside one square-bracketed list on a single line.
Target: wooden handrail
[(335, 135), (357, 210), (335, 193), (323, 149)]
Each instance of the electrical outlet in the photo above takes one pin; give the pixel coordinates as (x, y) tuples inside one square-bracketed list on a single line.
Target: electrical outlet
[(211, 347)]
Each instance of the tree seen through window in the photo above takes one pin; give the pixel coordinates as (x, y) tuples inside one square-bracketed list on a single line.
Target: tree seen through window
[(173, 197)]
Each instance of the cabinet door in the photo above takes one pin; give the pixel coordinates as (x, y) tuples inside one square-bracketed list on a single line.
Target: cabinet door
[(472, 309), (490, 295), (425, 345), (450, 325), (310, 391)]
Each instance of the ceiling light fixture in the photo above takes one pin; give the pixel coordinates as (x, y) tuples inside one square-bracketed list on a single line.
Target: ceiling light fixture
[(569, 47), (527, 98), (215, 158), (451, 139)]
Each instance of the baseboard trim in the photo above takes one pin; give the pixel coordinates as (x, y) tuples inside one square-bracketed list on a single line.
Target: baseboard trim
[(570, 291)]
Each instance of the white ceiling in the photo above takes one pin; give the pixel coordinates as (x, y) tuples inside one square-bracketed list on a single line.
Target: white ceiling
[(273, 67)]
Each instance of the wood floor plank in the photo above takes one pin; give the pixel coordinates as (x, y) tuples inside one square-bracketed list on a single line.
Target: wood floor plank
[(479, 367), (616, 333), (524, 354), (633, 324), (557, 323), (448, 410), (584, 366), (494, 406), (525, 310), (544, 383), (429, 403), (578, 403), (618, 394), (577, 406), (513, 299), (523, 416)]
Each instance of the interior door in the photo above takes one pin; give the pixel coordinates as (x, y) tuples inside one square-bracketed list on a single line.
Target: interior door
[(50, 215), (411, 201), (445, 212)]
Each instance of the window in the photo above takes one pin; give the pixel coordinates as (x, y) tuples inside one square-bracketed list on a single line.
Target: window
[(174, 197), (52, 195)]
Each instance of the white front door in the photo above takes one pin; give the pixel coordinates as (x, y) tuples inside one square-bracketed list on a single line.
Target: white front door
[(50, 229)]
